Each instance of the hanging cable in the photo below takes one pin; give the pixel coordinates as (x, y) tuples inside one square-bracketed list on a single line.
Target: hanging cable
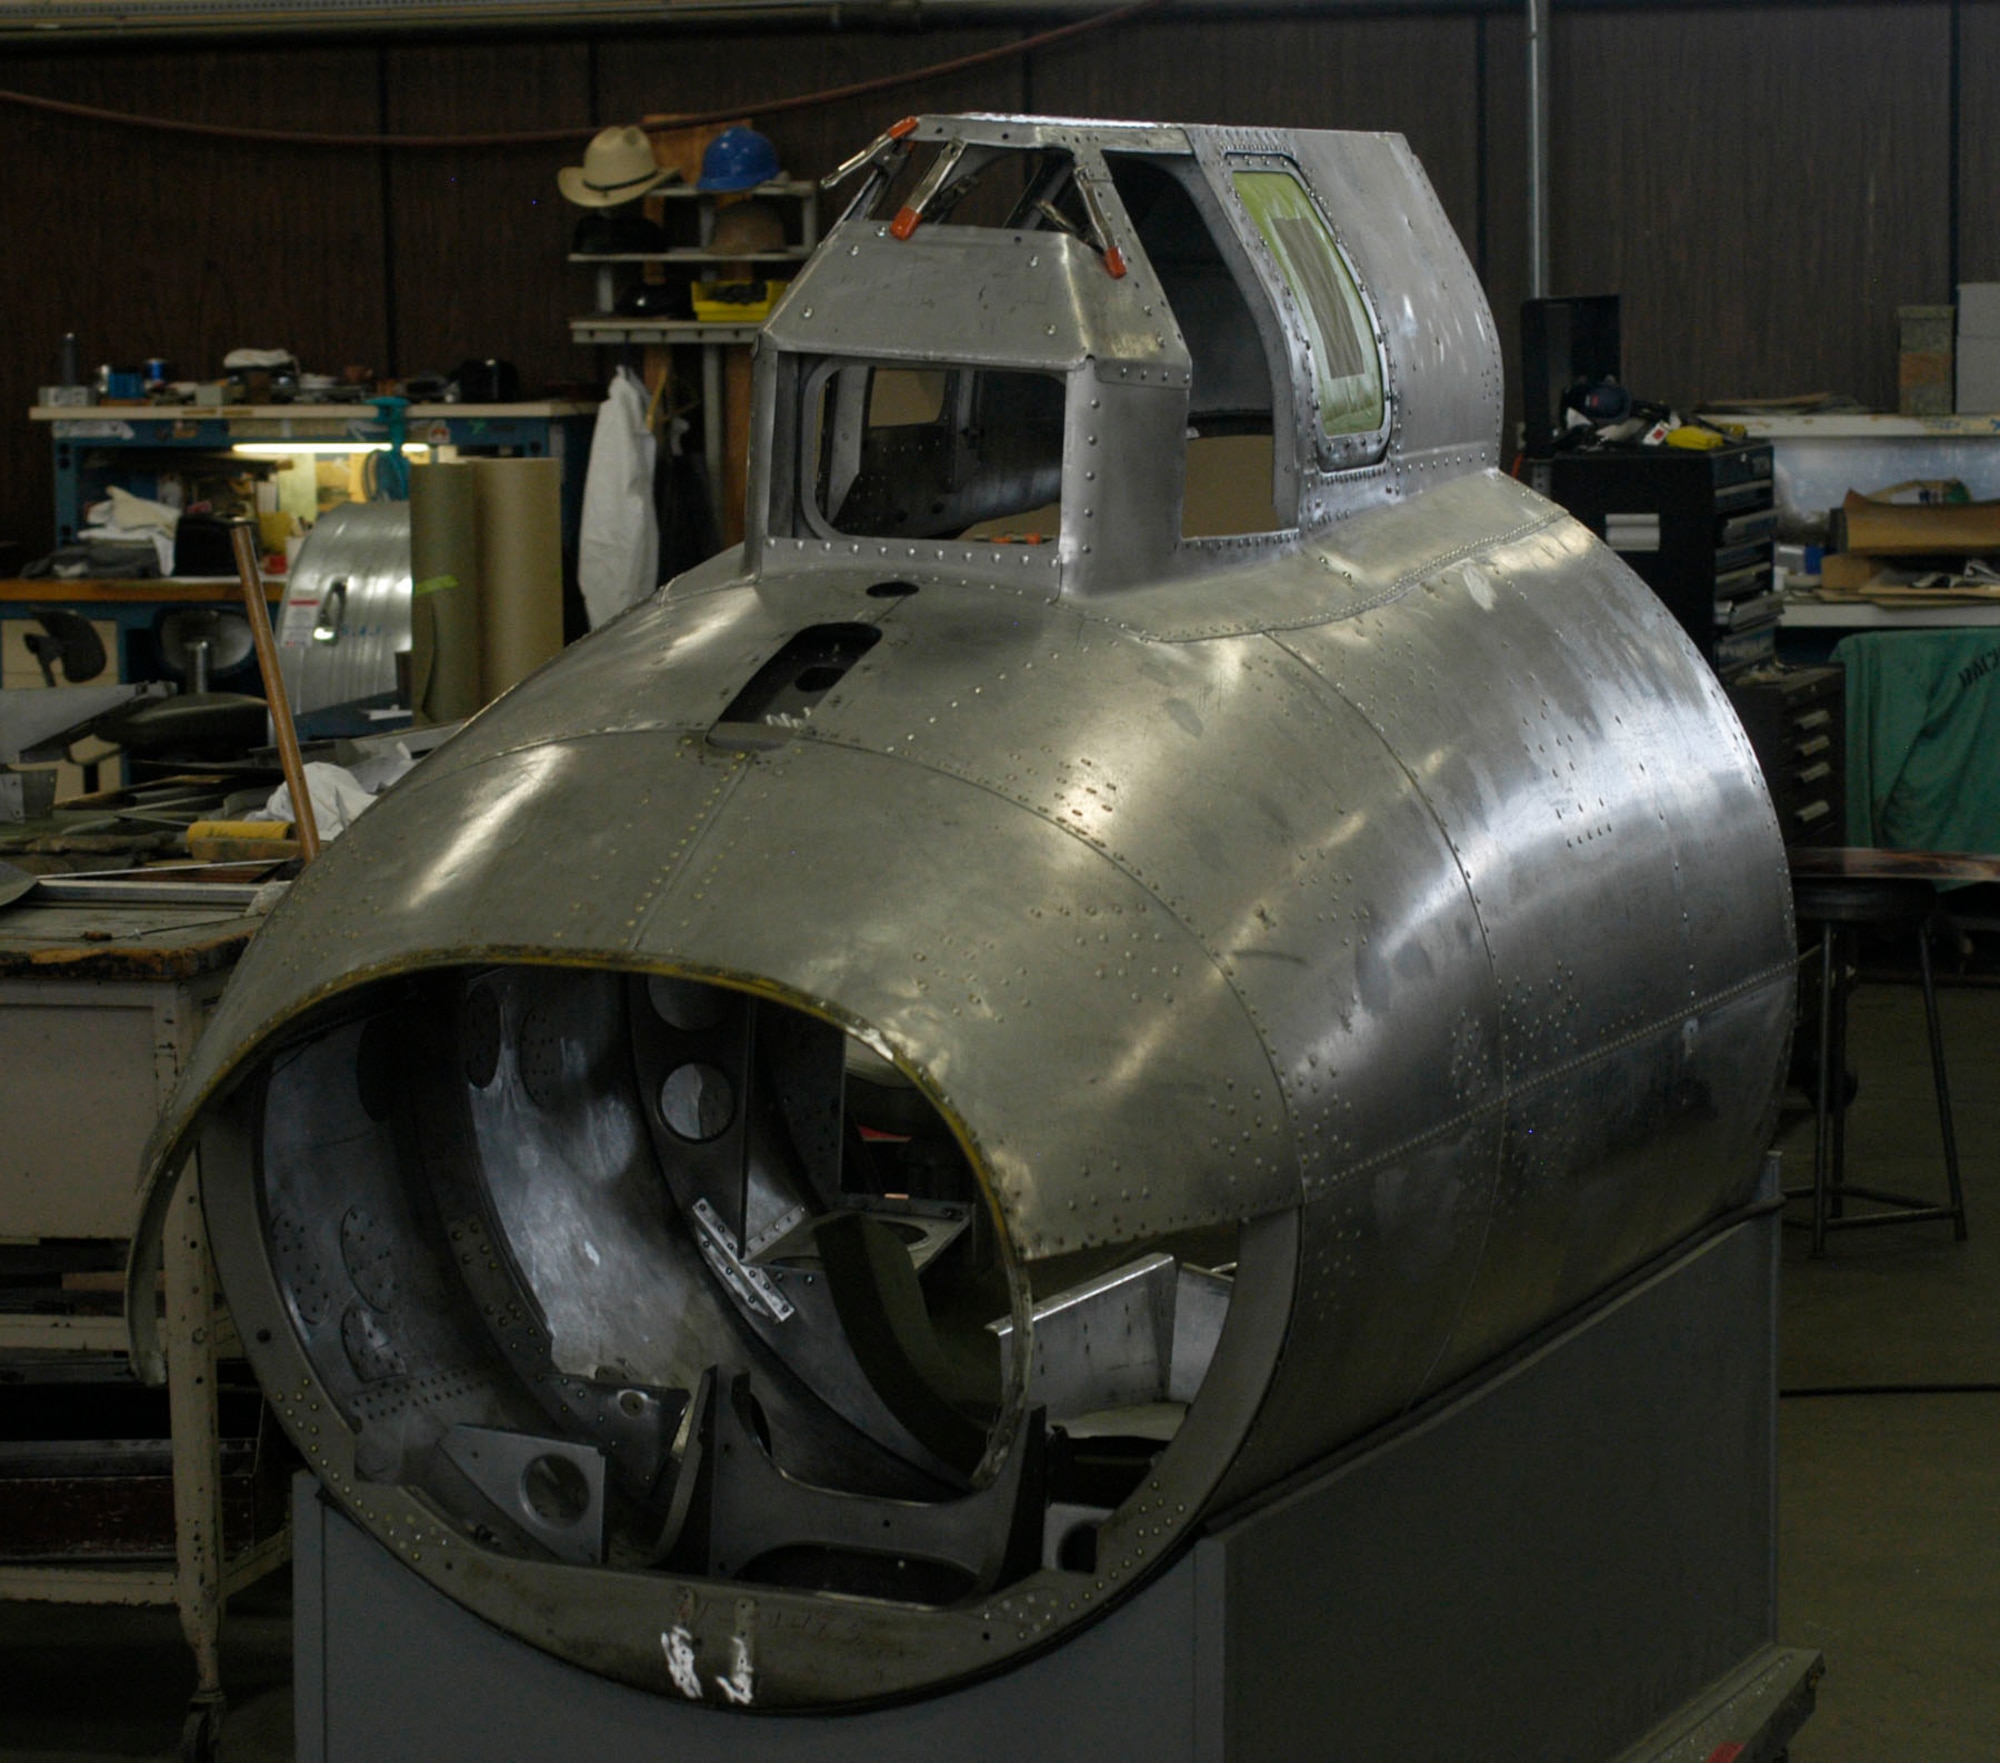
[(888, 82)]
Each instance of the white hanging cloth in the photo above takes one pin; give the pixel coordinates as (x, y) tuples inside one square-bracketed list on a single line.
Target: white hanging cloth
[(618, 561)]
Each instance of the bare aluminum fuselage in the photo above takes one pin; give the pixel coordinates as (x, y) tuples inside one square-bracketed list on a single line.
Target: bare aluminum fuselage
[(1375, 922)]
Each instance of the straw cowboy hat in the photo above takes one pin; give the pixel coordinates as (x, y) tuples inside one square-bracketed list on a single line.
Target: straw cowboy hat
[(618, 166)]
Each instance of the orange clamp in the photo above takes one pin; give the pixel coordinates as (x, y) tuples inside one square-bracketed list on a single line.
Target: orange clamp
[(1114, 260), (896, 131), (905, 223)]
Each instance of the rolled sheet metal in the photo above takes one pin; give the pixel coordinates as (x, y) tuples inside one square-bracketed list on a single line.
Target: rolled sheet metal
[(809, 1149), (346, 611)]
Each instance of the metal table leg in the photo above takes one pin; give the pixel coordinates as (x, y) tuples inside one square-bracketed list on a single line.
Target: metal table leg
[(1825, 1084), (1839, 908), (197, 1459), (1945, 1126)]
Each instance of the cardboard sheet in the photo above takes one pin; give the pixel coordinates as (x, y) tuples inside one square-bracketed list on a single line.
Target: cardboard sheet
[(520, 568), (444, 603), (1941, 529)]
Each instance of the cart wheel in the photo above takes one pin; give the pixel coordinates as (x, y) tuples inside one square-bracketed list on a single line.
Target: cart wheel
[(201, 1732)]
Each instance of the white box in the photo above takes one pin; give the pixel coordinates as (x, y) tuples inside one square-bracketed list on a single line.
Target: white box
[(1978, 310), (1978, 374)]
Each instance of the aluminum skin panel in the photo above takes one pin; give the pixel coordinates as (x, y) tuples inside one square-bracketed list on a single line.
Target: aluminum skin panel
[(949, 887), (1032, 299), (347, 606)]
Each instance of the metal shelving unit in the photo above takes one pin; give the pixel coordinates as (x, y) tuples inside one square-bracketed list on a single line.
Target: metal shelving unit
[(607, 327)]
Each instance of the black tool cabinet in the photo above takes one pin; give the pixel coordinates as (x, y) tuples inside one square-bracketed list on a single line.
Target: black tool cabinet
[(1696, 527), (1796, 718)]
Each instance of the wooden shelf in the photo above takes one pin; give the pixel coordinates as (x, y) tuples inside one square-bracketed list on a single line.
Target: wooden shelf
[(361, 411), (609, 328), (776, 187), (165, 589), (63, 1334), (1864, 426), (695, 254), (1865, 615)]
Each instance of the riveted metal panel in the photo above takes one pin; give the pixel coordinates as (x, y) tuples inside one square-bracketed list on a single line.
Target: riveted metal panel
[(1368, 561), (996, 954), (984, 296), (1392, 1247), (1351, 937), (1123, 463), (1635, 1146), (994, 129), (1438, 332), (1510, 681)]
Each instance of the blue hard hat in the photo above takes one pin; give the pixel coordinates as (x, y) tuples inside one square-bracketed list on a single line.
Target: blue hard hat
[(738, 159)]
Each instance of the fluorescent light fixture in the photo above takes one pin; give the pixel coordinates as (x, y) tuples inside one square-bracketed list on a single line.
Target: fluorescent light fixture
[(283, 449)]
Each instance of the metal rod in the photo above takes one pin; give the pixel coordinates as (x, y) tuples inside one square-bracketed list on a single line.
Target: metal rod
[(1538, 149), (1823, 1172), (65, 890), (1945, 1127), (711, 415), (286, 736)]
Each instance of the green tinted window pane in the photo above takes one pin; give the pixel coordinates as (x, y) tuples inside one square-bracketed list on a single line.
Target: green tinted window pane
[(1343, 342)]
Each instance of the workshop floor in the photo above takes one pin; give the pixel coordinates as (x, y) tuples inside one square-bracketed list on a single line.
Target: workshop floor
[(1889, 1504)]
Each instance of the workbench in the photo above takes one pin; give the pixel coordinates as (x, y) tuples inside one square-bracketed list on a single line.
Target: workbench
[(101, 1002), (1818, 459), (127, 615), (93, 443)]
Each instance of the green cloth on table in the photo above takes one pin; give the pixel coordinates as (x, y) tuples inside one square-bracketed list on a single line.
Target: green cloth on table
[(1923, 739)]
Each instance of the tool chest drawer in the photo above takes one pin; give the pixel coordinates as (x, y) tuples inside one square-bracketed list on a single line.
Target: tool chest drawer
[(1796, 721), (1696, 527)]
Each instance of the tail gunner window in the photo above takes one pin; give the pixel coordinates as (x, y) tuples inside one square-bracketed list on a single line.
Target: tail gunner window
[(1347, 368)]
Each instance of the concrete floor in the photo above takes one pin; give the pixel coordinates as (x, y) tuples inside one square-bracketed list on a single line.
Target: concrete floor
[(1889, 1504)]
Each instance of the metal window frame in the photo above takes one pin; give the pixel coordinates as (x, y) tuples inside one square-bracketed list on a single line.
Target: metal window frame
[(1333, 453)]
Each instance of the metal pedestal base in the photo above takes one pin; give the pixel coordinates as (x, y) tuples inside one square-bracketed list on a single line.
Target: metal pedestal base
[(1571, 1562)]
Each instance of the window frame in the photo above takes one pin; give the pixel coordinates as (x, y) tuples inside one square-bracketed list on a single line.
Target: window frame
[(810, 379), (1341, 452)]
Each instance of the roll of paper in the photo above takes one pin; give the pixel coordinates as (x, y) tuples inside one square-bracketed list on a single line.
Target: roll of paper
[(520, 568), (444, 604)]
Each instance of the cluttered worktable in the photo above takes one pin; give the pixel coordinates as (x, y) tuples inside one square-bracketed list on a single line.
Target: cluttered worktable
[(113, 955), (105, 983), (1818, 459), (88, 439), (127, 614)]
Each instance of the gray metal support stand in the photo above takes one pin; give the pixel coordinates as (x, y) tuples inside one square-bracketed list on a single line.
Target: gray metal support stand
[(1573, 1561)]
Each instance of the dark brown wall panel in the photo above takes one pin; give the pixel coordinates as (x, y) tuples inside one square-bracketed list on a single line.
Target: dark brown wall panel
[(1412, 75), (658, 76), (1764, 185), (645, 76), (162, 244), (480, 235), (1979, 142)]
